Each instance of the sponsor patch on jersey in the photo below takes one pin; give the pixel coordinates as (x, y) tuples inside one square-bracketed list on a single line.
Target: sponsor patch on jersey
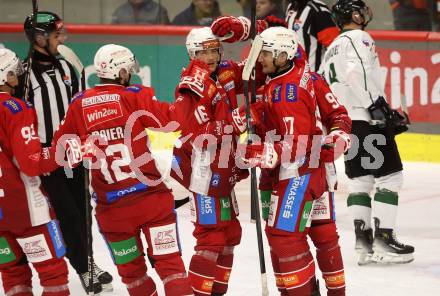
[(206, 210), (6, 253), (112, 196), (291, 203), (57, 240), (164, 239), (224, 64), (134, 88), (67, 80), (291, 92), (305, 217), (212, 89), (12, 105), (101, 113), (225, 209), (215, 180), (99, 99), (36, 248), (273, 205), (276, 93), (226, 75), (124, 251), (321, 208), (230, 85)]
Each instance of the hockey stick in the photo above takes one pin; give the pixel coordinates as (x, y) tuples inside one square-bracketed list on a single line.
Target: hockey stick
[(73, 59), (70, 56), (404, 108), (255, 207), (27, 77)]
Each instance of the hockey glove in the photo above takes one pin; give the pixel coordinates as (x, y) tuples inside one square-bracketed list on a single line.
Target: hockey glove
[(334, 145), (196, 78), (238, 117), (265, 155), (273, 21), (239, 26), (76, 152)]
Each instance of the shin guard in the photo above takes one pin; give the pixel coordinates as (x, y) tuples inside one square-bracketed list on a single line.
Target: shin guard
[(298, 274), (329, 258), (202, 271), (223, 271)]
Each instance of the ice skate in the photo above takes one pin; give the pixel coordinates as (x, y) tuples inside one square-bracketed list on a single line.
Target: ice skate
[(364, 242), (104, 278), (387, 249), (85, 279)]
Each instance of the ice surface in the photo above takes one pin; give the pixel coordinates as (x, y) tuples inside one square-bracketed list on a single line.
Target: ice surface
[(418, 224)]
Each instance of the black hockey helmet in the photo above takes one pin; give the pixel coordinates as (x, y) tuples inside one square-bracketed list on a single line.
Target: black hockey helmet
[(47, 22), (343, 10)]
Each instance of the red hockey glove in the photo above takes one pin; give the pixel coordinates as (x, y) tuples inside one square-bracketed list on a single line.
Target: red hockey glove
[(266, 155), (76, 152), (238, 26), (334, 145), (196, 78), (239, 116), (274, 21)]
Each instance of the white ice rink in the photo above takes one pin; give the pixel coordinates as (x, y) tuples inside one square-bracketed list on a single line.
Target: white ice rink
[(418, 224)]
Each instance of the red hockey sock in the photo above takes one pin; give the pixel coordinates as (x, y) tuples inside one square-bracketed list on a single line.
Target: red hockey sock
[(278, 275), (223, 271), (329, 258), (142, 286), (171, 271), (202, 271), (17, 278), (298, 274)]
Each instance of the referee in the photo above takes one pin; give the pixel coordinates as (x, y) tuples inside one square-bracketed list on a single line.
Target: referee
[(316, 29), (53, 82)]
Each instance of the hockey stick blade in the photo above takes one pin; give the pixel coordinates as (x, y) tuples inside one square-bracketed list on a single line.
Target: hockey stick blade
[(71, 57), (257, 45)]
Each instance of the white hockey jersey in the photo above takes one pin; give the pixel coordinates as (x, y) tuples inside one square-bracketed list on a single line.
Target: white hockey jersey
[(351, 67)]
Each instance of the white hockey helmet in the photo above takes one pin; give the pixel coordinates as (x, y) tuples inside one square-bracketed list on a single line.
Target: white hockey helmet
[(278, 40), (9, 62), (201, 39), (112, 58)]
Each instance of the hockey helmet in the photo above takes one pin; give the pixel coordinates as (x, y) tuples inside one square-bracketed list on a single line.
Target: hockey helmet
[(278, 40), (343, 10), (112, 58), (201, 39), (47, 22), (9, 62)]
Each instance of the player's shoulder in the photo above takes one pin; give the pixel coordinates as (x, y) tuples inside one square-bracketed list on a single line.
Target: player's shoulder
[(356, 35), (139, 89), (12, 105)]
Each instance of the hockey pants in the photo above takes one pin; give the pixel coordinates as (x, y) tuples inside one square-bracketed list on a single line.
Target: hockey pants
[(154, 216), (42, 246), (287, 228)]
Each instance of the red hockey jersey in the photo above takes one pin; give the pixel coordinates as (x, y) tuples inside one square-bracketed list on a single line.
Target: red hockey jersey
[(213, 171), (123, 169), (23, 203)]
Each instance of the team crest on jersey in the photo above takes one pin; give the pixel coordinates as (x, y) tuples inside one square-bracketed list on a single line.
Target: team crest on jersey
[(12, 105), (276, 93), (291, 92), (67, 80), (215, 180), (297, 25), (223, 64), (366, 42), (134, 88), (97, 114)]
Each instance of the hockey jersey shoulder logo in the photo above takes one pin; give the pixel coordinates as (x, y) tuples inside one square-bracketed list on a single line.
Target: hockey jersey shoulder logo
[(13, 105), (291, 92), (134, 88)]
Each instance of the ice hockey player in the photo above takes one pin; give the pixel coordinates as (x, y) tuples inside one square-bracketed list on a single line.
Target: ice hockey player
[(52, 84), (290, 110), (352, 70), (131, 197), (323, 232), (208, 90), (29, 231)]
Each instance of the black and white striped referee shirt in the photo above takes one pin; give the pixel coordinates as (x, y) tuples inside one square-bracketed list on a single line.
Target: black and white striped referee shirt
[(313, 22), (51, 90)]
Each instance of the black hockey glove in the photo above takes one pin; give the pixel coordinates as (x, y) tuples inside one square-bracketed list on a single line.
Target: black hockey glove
[(385, 117)]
